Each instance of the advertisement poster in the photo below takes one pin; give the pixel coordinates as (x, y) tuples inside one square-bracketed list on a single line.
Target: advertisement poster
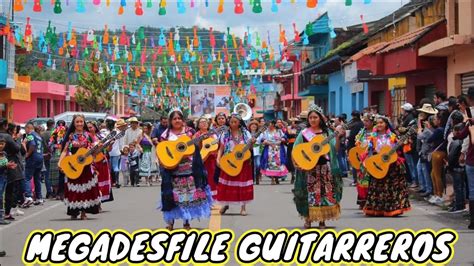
[(209, 99)]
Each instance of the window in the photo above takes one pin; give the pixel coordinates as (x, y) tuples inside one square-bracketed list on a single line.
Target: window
[(3, 47), (456, 16), (340, 100), (354, 101), (398, 99), (333, 102), (361, 101)]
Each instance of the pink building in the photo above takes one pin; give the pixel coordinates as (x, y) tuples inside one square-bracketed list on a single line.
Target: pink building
[(47, 100)]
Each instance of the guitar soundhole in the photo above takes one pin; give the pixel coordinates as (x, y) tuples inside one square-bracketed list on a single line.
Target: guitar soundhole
[(80, 159), (181, 147), (316, 148), (239, 155), (385, 158), (207, 146)]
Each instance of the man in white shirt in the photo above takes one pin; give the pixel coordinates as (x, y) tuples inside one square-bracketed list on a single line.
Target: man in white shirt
[(133, 133)]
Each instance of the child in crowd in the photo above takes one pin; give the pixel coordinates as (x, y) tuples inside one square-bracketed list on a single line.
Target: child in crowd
[(124, 165), (4, 165), (133, 161)]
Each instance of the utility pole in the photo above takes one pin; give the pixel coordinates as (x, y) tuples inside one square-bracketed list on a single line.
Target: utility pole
[(68, 96)]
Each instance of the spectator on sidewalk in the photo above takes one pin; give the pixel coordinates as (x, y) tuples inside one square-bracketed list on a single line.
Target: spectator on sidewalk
[(468, 131), (33, 144), (133, 133), (47, 154)]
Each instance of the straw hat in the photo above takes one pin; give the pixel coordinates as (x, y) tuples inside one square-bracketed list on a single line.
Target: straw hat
[(427, 108), (120, 123), (304, 115), (133, 120)]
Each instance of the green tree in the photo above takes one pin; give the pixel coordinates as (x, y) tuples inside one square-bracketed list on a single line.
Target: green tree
[(93, 89)]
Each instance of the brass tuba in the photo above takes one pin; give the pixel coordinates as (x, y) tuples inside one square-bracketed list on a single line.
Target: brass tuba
[(244, 110)]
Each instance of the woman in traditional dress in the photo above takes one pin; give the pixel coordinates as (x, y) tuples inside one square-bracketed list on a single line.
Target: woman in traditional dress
[(148, 161), (318, 191), (185, 193), (82, 194), (362, 140), (102, 167), (235, 189), (387, 196), (210, 163), (273, 161)]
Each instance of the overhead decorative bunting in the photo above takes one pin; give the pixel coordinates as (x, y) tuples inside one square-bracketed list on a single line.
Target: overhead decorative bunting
[(256, 5)]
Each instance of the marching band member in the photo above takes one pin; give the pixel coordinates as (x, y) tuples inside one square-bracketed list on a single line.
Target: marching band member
[(273, 161), (387, 196), (362, 140), (185, 193), (102, 167), (82, 194), (238, 189), (317, 192), (210, 163)]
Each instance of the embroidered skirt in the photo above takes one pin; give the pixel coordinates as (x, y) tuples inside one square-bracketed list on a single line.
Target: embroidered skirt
[(148, 166), (82, 194), (105, 181), (236, 189), (388, 196), (322, 194), (210, 165), (192, 203)]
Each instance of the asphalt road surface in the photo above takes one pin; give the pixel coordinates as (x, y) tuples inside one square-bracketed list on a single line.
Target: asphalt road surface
[(135, 208)]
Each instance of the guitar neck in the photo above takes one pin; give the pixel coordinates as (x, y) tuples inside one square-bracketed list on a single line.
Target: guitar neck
[(400, 141)]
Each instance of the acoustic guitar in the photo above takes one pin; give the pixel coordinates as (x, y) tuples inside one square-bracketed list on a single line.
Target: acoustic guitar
[(377, 165), (209, 146), (233, 162), (354, 156), (170, 153), (306, 155), (73, 165), (101, 156)]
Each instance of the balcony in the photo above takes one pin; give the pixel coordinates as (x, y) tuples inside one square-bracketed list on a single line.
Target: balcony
[(314, 90), (446, 46), (3, 73)]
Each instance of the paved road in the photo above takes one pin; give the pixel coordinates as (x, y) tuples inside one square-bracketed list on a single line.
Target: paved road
[(135, 208)]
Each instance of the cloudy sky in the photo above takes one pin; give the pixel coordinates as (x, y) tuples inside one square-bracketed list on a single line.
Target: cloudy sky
[(97, 15)]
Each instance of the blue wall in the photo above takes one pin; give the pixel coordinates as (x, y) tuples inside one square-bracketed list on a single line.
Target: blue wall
[(341, 100)]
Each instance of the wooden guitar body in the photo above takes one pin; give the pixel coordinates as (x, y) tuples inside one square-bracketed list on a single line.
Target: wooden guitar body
[(170, 153), (354, 156), (209, 146), (233, 162), (73, 165), (99, 157), (306, 155), (377, 165)]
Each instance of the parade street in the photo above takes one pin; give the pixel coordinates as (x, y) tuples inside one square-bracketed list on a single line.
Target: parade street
[(135, 208)]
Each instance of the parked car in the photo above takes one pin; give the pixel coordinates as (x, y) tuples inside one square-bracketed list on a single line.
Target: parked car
[(67, 116)]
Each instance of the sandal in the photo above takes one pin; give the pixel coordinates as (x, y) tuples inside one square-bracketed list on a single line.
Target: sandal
[(307, 225), (169, 227), (187, 227), (322, 225), (243, 213), (224, 209), (83, 217)]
